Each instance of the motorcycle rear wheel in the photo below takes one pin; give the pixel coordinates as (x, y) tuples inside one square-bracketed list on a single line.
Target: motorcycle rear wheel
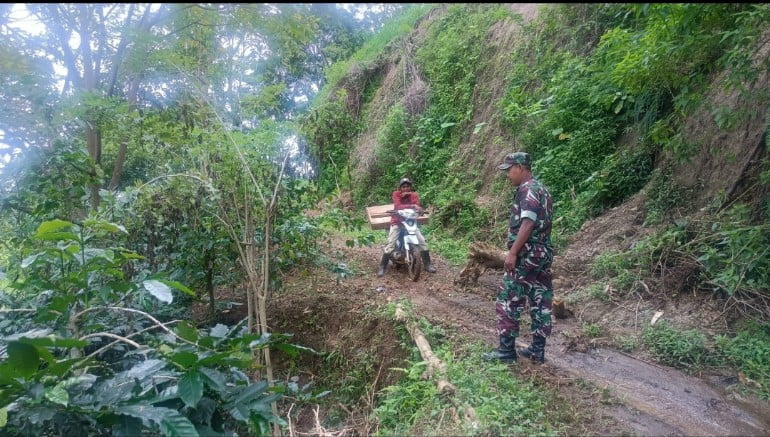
[(415, 264)]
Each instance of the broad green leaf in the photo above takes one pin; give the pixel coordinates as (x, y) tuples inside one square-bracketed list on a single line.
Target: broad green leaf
[(32, 333), (213, 378), (187, 331), (45, 354), (9, 376), (106, 226), (24, 357), (445, 125), (3, 417), (28, 261), (293, 349), (216, 359), (52, 226), (53, 341), (250, 392), (478, 127), (259, 342), (191, 388), (88, 254), (557, 131), (219, 331), (179, 286), (131, 255), (57, 236), (60, 368), (58, 395), (145, 368), (185, 359), (171, 423), (80, 382), (161, 291)]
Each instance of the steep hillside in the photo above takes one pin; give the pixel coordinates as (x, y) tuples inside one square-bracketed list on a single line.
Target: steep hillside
[(671, 125), (647, 123)]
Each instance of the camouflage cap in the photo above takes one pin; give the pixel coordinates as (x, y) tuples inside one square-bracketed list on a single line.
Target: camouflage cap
[(514, 158)]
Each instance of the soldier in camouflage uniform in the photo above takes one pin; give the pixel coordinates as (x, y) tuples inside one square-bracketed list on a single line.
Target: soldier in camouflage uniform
[(527, 265)]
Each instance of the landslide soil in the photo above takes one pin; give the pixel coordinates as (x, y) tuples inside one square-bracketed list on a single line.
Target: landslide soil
[(613, 392)]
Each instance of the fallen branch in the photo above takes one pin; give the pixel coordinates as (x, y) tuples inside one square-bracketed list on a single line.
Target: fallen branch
[(436, 367), (481, 256)]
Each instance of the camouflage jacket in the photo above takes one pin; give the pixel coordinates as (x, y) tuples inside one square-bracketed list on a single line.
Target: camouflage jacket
[(532, 201)]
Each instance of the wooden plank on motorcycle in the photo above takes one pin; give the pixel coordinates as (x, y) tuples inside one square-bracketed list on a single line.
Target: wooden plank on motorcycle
[(379, 219)]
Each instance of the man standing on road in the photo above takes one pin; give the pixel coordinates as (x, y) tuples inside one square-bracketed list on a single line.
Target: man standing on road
[(527, 265)]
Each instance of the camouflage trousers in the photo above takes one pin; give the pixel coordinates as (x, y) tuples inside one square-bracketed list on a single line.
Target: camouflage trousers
[(531, 281)]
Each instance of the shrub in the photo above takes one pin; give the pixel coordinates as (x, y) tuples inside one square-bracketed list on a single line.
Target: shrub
[(675, 347)]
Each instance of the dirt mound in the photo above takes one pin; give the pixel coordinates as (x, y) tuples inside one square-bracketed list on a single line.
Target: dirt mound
[(614, 231), (359, 350)]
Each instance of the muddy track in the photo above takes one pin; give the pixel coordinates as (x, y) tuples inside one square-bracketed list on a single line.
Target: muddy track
[(649, 399)]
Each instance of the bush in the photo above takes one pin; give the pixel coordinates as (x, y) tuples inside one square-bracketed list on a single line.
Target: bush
[(677, 348), (750, 352)]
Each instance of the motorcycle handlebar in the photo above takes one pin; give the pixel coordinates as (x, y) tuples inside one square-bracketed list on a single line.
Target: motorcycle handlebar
[(395, 211)]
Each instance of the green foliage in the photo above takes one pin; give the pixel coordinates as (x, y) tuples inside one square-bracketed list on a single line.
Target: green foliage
[(592, 330), (628, 343), (72, 368), (372, 48), (622, 174), (741, 42), (750, 352), (330, 129), (405, 403), (664, 196), (620, 270), (675, 347), (734, 255), (450, 56), (571, 93), (502, 402), (660, 51), (724, 253)]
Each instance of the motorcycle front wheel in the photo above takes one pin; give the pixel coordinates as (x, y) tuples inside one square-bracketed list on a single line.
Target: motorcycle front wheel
[(415, 264)]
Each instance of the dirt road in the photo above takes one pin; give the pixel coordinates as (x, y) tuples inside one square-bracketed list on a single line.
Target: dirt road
[(650, 399)]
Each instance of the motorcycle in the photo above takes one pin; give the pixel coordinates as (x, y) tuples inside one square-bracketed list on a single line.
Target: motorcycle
[(407, 251)]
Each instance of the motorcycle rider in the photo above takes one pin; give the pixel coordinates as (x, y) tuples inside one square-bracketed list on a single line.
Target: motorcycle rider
[(404, 198)]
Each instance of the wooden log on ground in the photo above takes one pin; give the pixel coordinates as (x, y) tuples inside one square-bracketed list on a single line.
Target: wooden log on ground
[(481, 256), (436, 367)]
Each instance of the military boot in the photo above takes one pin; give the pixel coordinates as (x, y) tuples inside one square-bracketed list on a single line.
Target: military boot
[(535, 351), (383, 264), (426, 262), (506, 352)]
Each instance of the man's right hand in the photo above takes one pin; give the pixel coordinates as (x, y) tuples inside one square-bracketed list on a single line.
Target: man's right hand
[(510, 262)]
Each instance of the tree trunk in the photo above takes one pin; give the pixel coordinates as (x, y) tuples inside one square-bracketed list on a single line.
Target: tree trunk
[(481, 256), (94, 145), (208, 262), (117, 172)]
